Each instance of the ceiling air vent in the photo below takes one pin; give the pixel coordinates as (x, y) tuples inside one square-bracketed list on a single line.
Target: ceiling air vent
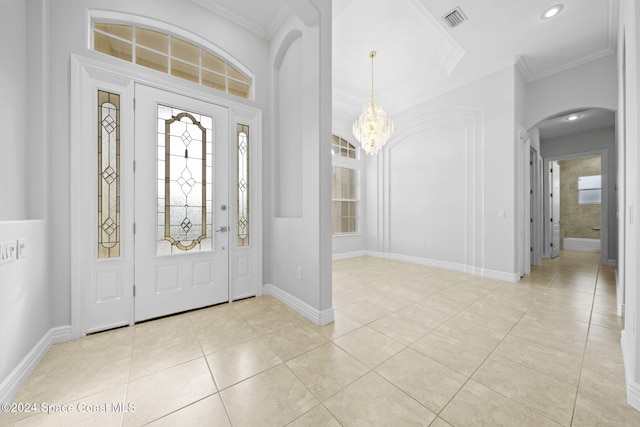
[(455, 17)]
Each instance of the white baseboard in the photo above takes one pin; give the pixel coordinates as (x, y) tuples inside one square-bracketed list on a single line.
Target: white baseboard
[(347, 255), (469, 269), (501, 275), (633, 388), (320, 318), (19, 375), (421, 261)]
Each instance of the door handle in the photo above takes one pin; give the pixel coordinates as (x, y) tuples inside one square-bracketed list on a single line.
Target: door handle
[(222, 229)]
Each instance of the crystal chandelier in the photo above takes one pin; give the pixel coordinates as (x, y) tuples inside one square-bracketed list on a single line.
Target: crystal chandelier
[(373, 128)]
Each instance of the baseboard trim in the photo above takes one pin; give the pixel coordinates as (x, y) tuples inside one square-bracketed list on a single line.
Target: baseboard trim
[(633, 388), (462, 268), (318, 317), (20, 373), (501, 275), (348, 255)]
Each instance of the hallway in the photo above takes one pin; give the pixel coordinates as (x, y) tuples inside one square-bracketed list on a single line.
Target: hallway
[(410, 345)]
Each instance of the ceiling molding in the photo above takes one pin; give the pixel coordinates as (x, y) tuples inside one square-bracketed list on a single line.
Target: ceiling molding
[(265, 32), (566, 66)]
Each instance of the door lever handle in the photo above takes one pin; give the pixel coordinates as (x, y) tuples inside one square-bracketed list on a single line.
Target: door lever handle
[(222, 229)]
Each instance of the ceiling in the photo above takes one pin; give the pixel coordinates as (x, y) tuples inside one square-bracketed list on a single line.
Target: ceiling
[(590, 119), (419, 56)]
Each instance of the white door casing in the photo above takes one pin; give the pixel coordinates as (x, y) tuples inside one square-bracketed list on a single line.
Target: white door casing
[(178, 277), (555, 208), (102, 290)]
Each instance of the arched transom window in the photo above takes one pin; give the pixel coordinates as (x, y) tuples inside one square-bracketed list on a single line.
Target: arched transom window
[(169, 54)]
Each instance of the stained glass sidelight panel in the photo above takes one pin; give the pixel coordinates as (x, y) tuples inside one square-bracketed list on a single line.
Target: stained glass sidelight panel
[(185, 191), (243, 185), (108, 175)]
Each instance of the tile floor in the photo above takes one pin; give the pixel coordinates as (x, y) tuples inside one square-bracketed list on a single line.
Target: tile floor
[(411, 345)]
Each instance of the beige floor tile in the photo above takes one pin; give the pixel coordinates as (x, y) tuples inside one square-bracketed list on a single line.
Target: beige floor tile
[(259, 305), (317, 417), (477, 405), (372, 401), (163, 329), (273, 398), (610, 321), (208, 411), (464, 293), (424, 316), (364, 312), (501, 319), (294, 341), (568, 336), (158, 356), (457, 354), (387, 301), (326, 370), (439, 422), (166, 391), (271, 321), (531, 388), (440, 303), (471, 332), (603, 344), (341, 325), (205, 321), (561, 366), (234, 332), (427, 381), (241, 361), (369, 346), (401, 329)]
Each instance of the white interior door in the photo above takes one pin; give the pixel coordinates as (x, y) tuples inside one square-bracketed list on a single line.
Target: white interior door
[(555, 209), (181, 198)]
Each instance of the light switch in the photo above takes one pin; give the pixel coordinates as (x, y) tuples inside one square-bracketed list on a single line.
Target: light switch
[(7, 252), (22, 248)]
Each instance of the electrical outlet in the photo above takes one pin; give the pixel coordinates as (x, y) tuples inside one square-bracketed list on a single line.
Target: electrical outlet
[(7, 252)]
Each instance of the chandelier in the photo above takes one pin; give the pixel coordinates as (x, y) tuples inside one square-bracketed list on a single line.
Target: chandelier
[(373, 128)]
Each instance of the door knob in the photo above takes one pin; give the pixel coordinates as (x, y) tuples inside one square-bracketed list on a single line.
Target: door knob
[(222, 229)]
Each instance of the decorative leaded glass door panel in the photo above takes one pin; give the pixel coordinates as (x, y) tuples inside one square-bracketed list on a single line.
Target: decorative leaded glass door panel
[(181, 187)]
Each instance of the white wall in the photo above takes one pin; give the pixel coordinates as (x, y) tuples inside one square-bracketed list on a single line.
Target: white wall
[(25, 294), (456, 154), (629, 95), (577, 145), (13, 110), (589, 85), (299, 245)]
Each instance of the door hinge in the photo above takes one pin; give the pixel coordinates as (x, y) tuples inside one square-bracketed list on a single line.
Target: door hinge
[(551, 244), (531, 220), (551, 219), (134, 291), (134, 228), (530, 191), (531, 248), (134, 165), (551, 195)]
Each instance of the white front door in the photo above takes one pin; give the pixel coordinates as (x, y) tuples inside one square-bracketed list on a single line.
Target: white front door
[(181, 198)]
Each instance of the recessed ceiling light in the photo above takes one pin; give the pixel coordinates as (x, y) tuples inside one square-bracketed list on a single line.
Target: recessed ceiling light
[(552, 11), (573, 117)]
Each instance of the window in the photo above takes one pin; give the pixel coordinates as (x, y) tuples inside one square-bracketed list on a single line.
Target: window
[(589, 190), (343, 148), (243, 184), (108, 175), (169, 54), (185, 177), (345, 187), (344, 200)]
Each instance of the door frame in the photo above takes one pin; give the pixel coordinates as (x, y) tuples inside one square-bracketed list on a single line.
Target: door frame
[(604, 204), (92, 72)]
